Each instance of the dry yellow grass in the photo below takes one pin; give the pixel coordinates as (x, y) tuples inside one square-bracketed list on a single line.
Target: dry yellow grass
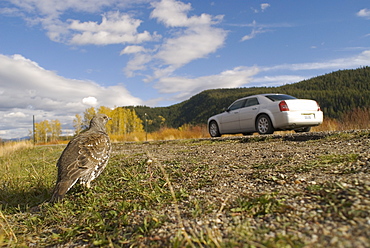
[(196, 132), (10, 147), (354, 119), (183, 132)]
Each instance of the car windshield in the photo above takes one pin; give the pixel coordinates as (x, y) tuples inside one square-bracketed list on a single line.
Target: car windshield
[(279, 97)]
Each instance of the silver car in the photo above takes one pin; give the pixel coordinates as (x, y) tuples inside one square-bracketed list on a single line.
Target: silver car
[(265, 114)]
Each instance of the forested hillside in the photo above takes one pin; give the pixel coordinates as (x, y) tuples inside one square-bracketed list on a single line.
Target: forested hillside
[(336, 92)]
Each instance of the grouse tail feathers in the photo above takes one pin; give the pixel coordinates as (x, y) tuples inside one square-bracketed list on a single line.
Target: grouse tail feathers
[(61, 189)]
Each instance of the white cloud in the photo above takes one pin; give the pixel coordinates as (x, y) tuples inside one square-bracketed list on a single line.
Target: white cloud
[(91, 101), (256, 29), (264, 6), (132, 49), (356, 61), (193, 44), (174, 14), (27, 89), (15, 115), (253, 34), (137, 63), (183, 88), (277, 80), (364, 13), (190, 38), (54, 8), (171, 13), (115, 28)]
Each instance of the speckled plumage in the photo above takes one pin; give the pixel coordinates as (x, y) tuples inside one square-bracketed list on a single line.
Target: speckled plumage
[(84, 158)]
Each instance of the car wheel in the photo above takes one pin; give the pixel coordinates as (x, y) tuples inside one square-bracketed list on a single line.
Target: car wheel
[(264, 125), (303, 130), (213, 129)]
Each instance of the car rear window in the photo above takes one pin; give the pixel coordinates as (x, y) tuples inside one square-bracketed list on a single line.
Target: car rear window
[(279, 97)]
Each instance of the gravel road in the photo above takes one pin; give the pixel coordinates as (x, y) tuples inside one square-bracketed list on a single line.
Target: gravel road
[(304, 190)]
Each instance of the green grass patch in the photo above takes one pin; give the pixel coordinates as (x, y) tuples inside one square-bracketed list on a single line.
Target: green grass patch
[(340, 201), (119, 208), (258, 205)]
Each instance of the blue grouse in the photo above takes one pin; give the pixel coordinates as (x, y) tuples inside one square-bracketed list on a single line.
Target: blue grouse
[(84, 158)]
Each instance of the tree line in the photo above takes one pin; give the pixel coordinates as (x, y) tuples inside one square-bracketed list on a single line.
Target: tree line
[(47, 131), (124, 121), (338, 93)]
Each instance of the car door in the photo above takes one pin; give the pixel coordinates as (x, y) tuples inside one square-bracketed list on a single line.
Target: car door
[(247, 115), (230, 119)]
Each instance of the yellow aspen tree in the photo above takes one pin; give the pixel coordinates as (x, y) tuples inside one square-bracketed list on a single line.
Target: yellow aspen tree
[(42, 129), (55, 129), (128, 123), (115, 122), (135, 123), (118, 121), (78, 124), (121, 121), (124, 122), (162, 120), (88, 115)]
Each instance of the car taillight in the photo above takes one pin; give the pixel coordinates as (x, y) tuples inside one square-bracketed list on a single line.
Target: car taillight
[(318, 107), (283, 106)]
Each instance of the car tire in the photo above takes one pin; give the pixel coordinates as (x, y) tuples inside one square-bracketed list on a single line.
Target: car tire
[(264, 125), (303, 130), (214, 131)]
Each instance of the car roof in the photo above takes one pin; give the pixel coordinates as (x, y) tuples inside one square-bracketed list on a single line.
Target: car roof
[(266, 94)]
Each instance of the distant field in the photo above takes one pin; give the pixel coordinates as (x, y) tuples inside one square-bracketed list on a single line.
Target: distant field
[(285, 190)]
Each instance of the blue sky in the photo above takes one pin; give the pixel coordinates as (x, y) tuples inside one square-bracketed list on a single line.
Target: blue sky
[(58, 58)]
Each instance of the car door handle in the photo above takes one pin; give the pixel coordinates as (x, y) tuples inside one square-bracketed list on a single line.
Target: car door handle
[(254, 108)]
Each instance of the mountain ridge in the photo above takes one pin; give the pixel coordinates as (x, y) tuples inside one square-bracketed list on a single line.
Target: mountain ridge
[(336, 92)]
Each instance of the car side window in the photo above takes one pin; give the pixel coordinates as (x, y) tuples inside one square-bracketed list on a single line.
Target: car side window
[(236, 105), (251, 102)]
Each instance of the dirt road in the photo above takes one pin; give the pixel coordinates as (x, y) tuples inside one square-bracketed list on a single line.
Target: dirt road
[(309, 190)]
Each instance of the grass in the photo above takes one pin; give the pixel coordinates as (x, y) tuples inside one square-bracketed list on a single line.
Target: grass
[(337, 199), (10, 147), (257, 205), (138, 203), (96, 216), (27, 176), (183, 132)]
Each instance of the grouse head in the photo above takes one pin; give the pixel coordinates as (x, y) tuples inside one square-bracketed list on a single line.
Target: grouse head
[(98, 122)]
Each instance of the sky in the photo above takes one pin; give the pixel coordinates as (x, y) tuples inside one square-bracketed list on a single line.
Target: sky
[(58, 58)]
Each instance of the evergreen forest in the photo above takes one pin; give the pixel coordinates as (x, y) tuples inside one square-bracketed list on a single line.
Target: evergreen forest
[(337, 93)]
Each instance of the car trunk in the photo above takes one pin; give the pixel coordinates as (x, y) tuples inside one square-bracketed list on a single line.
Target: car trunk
[(302, 105)]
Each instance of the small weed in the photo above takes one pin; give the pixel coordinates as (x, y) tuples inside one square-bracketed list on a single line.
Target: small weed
[(335, 159), (255, 206), (328, 162), (338, 200)]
